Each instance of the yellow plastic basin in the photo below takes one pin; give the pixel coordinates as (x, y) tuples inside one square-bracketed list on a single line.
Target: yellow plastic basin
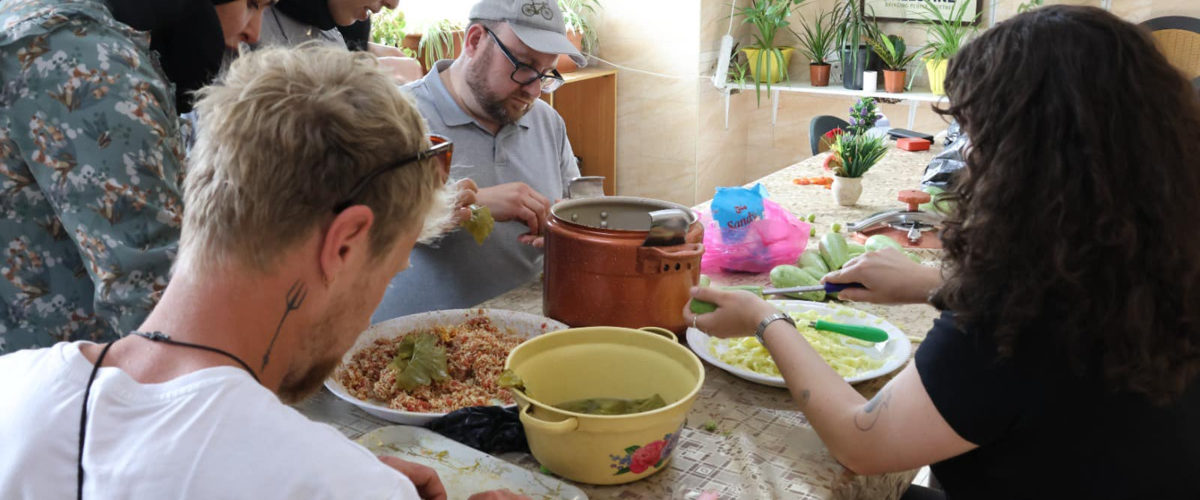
[(604, 362)]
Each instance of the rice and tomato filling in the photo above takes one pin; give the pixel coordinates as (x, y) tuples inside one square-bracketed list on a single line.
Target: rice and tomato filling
[(475, 350)]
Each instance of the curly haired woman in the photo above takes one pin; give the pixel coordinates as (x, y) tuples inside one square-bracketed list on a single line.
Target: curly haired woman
[(1065, 362)]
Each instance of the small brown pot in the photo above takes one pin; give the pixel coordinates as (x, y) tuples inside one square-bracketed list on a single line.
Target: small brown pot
[(565, 64), (893, 81), (818, 74)]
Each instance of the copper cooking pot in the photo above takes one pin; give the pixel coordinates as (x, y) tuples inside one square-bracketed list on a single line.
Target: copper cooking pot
[(609, 263)]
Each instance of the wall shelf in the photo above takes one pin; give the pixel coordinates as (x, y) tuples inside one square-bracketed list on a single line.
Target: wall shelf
[(913, 98)]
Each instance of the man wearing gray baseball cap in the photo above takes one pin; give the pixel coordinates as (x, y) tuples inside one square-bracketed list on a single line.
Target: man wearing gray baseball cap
[(508, 141)]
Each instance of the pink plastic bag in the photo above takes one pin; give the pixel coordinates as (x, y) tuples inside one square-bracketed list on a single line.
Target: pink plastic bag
[(745, 231)]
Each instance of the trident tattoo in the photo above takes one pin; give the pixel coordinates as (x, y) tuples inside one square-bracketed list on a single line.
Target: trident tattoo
[(295, 297)]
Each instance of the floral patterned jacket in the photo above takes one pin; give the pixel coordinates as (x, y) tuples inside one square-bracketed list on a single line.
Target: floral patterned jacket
[(90, 174)]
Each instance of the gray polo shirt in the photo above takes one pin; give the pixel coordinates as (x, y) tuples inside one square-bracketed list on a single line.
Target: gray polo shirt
[(456, 272)]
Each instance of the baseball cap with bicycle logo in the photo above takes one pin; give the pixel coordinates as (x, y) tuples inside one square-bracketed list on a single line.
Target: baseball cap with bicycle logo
[(537, 23)]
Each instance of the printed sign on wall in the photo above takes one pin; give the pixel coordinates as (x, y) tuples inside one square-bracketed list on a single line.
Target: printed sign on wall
[(915, 10)]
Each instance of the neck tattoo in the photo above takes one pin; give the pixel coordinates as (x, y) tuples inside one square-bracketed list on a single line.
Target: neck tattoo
[(295, 298)]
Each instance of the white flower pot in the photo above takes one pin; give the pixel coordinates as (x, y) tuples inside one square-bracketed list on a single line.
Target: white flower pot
[(846, 190)]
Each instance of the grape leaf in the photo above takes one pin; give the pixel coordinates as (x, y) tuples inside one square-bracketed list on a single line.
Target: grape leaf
[(480, 224), (419, 361)]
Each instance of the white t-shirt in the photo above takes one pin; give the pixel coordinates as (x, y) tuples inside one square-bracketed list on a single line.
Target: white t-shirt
[(211, 434)]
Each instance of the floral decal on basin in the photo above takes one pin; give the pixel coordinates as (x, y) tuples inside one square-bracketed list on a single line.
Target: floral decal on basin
[(638, 459)]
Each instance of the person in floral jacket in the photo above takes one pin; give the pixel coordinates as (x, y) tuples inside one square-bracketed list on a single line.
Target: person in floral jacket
[(91, 155)]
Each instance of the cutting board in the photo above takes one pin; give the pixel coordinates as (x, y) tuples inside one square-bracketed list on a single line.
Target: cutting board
[(462, 469)]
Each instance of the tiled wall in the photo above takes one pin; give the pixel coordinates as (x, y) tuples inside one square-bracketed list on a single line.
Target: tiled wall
[(672, 142)]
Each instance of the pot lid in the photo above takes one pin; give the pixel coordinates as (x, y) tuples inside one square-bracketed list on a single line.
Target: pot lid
[(616, 213)]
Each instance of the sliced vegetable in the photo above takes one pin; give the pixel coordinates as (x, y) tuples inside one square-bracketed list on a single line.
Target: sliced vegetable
[(786, 276), (812, 258), (698, 306), (881, 241), (834, 251), (912, 256), (817, 274), (705, 280), (837, 228)]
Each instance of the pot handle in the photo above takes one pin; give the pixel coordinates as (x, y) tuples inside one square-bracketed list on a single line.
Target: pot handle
[(560, 427), (658, 330), (590, 186), (652, 260)]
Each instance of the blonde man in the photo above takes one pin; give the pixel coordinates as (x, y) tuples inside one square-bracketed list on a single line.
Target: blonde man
[(311, 181)]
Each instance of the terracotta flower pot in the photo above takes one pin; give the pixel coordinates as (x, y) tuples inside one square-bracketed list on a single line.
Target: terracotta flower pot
[(565, 64), (893, 81), (818, 74), (846, 190)]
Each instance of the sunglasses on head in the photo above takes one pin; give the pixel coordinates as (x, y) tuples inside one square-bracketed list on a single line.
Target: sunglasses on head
[(442, 148)]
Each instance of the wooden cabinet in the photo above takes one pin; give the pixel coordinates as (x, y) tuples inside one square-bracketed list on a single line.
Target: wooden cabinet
[(587, 103)]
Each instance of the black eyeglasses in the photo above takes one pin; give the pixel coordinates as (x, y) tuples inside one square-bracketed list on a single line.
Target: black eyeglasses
[(525, 74), (442, 148)]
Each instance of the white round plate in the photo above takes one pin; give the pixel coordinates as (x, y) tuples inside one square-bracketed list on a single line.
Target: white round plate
[(518, 323), (894, 351)]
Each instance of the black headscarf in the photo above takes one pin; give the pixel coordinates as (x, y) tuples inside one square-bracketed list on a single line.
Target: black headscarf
[(310, 12), (187, 36)]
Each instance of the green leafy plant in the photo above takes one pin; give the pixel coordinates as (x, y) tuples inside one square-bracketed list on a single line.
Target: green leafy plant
[(419, 361), (816, 39), (856, 154), (947, 34), (577, 14), (890, 50), (739, 70), (1028, 6), (387, 28), (437, 42), (767, 17), (854, 27)]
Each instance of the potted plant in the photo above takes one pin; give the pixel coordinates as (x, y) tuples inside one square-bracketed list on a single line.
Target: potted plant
[(890, 49), (946, 35), (441, 40), (816, 42), (854, 154), (854, 30), (768, 63), (581, 32)]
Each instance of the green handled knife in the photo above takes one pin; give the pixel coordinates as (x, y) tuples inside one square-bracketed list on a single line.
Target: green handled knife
[(867, 333)]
